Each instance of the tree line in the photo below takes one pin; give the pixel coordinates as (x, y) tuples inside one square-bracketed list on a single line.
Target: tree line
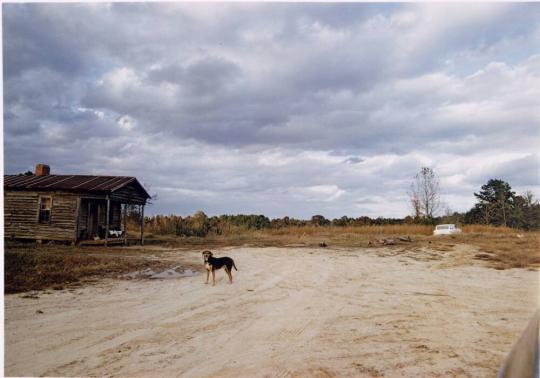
[(199, 224), (497, 204)]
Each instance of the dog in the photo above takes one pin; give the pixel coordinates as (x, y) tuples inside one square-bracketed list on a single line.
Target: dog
[(212, 264)]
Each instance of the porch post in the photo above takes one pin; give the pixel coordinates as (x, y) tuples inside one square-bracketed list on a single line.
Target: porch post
[(107, 220), (125, 225), (142, 225)]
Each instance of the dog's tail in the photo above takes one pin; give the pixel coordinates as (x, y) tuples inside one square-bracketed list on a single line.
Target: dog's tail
[(235, 268)]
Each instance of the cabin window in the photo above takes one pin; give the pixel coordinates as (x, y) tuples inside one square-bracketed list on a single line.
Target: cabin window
[(45, 204)]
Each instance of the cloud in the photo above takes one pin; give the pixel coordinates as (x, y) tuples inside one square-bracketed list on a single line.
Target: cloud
[(522, 172), (316, 193), (276, 108), (126, 122)]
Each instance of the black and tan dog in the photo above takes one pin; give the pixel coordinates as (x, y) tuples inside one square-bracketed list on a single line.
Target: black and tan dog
[(212, 264)]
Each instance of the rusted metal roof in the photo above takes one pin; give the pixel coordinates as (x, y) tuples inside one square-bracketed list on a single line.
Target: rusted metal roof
[(83, 183)]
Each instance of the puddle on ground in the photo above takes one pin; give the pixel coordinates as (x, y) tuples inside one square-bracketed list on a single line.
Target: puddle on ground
[(176, 272)]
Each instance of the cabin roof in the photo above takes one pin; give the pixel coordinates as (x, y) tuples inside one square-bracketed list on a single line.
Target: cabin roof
[(84, 183)]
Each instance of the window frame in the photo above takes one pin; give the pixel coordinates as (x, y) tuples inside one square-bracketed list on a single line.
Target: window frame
[(40, 199)]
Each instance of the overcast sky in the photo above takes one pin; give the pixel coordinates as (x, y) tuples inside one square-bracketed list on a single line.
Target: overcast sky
[(280, 109)]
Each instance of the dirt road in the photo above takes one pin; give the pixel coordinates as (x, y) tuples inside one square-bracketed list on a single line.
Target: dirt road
[(290, 312)]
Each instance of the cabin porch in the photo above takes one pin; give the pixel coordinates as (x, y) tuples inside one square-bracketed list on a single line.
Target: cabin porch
[(103, 221)]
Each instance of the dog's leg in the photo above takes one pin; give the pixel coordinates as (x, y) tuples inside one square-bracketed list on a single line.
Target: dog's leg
[(213, 277), (207, 275), (228, 271)]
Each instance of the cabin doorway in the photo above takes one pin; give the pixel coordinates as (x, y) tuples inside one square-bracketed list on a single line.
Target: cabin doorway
[(92, 220)]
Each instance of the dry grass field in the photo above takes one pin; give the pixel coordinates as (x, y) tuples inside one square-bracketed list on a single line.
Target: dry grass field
[(56, 267), (500, 247), (31, 267)]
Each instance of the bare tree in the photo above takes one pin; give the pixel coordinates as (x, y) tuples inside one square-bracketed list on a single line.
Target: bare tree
[(488, 213), (529, 198), (415, 205), (424, 194)]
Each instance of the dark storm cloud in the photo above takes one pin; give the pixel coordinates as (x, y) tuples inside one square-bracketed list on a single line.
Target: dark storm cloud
[(521, 172), (204, 76), (310, 106)]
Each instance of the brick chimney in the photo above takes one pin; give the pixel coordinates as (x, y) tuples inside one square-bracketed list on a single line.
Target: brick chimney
[(42, 169)]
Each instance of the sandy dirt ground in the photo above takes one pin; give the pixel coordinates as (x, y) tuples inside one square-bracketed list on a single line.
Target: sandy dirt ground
[(290, 312)]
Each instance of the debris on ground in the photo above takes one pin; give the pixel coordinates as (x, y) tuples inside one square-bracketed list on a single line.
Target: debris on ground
[(405, 238), (31, 296), (389, 241)]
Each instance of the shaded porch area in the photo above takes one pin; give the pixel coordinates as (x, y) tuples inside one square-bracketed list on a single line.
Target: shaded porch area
[(103, 221)]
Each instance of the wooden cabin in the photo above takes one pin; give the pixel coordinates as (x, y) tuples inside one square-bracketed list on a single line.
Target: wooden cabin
[(76, 208)]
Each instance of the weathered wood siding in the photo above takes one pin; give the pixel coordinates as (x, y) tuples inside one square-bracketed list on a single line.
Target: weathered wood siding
[(129, 194), (21, 215)]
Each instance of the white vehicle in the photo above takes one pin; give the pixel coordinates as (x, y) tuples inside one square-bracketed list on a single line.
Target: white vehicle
[(446, 229)]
